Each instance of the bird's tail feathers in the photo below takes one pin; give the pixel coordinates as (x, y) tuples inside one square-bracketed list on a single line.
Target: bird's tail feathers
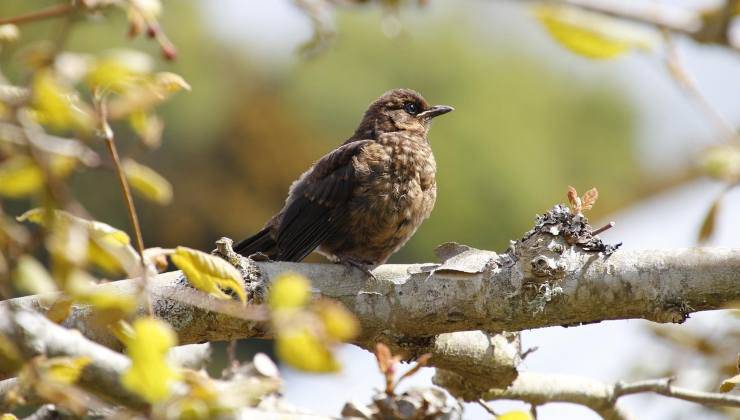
[(260, 242)]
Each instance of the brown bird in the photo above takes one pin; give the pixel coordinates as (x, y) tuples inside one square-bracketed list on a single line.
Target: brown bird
[(361, 202)]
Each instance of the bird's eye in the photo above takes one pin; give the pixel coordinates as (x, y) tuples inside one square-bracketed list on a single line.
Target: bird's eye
[(411, 108)]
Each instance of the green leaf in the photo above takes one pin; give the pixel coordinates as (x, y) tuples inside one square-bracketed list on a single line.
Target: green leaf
[(147, 182), (150, 375), (590, 34), (209, 273)]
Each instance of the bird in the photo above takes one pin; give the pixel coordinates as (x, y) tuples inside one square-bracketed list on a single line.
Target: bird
[(360, 203)]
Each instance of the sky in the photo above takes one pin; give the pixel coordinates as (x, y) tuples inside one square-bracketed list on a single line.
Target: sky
[(672, 129)]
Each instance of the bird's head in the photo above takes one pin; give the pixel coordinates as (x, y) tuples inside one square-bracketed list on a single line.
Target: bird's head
[(399, 110)]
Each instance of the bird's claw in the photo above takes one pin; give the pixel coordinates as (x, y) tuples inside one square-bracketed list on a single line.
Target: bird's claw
[(362, 266)]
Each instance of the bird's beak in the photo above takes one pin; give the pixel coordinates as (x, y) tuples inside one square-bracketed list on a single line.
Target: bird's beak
[(435, 111)]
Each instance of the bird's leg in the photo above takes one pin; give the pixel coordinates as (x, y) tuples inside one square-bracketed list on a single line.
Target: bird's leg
[(363, 266)]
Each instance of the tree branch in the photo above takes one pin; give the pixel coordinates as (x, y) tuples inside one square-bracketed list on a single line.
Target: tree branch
[(544, 286), (538, 389)]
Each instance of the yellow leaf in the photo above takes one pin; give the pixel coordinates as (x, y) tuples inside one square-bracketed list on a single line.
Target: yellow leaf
[(339, 323), (148, 127), (729, 384), (31, 277), (57, 106), (20, 177), (10, 357), (147, 182), (8, 416), (209, 273), (100, 230), (65, 370), (589, 34), (150, 375), (303, 350), (82, 288), (722, 162), (289, 290), (60, 309), (112, 75), (171, 82), (108, 248), (515, 415)]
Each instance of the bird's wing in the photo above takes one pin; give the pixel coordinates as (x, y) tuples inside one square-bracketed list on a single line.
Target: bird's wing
[(315, 207)]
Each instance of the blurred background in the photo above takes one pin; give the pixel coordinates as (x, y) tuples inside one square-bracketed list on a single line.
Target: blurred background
[(531, 119)]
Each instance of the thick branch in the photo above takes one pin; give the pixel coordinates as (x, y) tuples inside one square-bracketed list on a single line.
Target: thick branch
[(550, 283)]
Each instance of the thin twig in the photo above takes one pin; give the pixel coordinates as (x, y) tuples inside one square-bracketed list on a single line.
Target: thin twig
[(107, 134), (684, 80), (603, 228), (49, 12), (664, 387), (486, 407)]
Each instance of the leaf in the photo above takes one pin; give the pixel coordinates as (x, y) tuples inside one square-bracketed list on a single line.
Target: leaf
[(289, 291), (112, 306), (729, 384), (150, 375), (57, 105), (10, 356), (66, 370), (8, 416), (708, 225), (590, 34), (722, 162), (147, 182), (386, 360), (209, 273), (112, 74), (589, 198), (515, 415), (303, 350), (574, 200), (339, 323), (148, 127), (171, 82), (60, 309), (31, 277), (20, 177), (108, 248), (100, 230)]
